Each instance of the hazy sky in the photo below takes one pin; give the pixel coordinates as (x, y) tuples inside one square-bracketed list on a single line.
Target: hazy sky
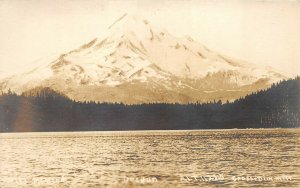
[(261, 32)]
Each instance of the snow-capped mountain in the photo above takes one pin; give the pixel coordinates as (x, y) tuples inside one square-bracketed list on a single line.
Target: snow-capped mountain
[(136, 62)]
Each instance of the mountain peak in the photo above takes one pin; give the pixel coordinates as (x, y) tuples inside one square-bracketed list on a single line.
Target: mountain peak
[(133, 26), (118, 20), (128, 20)]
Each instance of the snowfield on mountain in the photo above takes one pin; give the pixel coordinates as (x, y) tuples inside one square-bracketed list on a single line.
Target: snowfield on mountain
[(137, 62)]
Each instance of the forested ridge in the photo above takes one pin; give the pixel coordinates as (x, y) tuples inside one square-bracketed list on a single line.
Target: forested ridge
[(47, 110)]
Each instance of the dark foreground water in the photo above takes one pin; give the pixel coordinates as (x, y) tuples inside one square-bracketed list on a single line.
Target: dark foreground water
[(221, 158)]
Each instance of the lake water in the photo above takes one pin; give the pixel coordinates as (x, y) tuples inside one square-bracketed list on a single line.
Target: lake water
[(213, 158)]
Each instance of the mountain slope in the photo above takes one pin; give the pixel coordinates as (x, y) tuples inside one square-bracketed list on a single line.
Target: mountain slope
[(47, 110), (136, 62)]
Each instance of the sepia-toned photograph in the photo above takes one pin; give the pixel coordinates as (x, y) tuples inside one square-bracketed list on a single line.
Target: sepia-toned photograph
[(149, 93)]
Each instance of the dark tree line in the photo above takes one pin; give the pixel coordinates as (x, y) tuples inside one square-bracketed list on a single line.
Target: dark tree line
[(48, 110)]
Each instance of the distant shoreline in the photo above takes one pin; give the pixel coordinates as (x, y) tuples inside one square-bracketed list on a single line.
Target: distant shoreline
[(134, 132)]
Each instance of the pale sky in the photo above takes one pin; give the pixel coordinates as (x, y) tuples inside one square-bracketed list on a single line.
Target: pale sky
[(260, 32)]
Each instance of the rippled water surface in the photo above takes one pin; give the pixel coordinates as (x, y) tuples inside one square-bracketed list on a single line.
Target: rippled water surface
[(230, 158)]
